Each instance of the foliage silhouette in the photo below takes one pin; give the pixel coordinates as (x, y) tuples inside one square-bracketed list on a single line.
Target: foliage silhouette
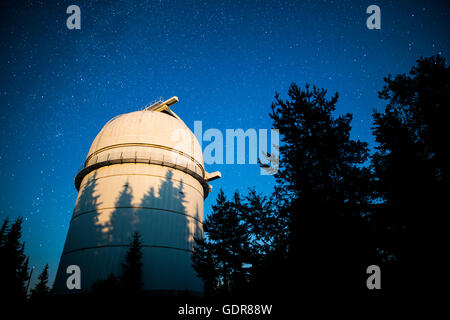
[(86, 215), (14, 263), (4, 232), (326, 192), (41, 290), (107, 287), (227, 246), (131, 280), (240, 234), (315, 220), (332, 215), (411, 172)]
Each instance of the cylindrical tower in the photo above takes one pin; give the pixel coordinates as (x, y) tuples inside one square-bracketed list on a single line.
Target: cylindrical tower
[(144, 172)]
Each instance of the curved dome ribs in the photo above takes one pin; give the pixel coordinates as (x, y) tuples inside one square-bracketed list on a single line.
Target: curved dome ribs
[(147, 136)]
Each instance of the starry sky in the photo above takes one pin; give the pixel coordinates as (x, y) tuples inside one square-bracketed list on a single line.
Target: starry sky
[(224, 60)]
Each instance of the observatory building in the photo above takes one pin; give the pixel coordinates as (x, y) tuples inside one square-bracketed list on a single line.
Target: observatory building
[(144, 173)]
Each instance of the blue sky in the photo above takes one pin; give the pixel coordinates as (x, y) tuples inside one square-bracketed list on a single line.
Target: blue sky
[(224, 60)]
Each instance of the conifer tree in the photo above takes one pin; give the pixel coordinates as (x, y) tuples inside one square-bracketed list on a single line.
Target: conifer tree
[(205, 264), (41, 290), (325, 189), (106, 287), (220, 259), (411, 167), (131, 280), (14, 265), (4, 232)]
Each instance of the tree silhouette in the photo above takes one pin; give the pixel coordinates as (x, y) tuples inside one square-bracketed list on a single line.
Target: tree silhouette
[(86, 213), (14, 263), (241, 239), (41, 290), (332, 215), (325, 190), (204, 263), (220, 258), (120, 226), (106, 287), (267, 230), (4, 232), (411, 170), (131, 280)]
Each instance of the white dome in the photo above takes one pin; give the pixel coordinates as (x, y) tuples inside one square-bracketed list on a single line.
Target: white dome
[(146, 129), (155, 135)]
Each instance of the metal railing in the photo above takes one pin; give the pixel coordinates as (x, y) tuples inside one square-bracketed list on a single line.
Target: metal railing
[(174, 161)]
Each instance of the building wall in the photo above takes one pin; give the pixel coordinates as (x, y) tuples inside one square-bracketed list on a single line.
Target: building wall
[(164, 205)]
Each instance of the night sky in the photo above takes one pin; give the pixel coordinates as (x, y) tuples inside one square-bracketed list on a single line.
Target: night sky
[(224, 60)]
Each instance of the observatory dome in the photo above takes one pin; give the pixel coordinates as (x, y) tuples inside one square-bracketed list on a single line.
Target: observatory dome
[(144, 173), (148, 136), (148, 129)]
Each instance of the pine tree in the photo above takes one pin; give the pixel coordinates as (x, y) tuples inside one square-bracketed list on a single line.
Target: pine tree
[(3, 238), (41, 290), (411, 166), (205, 264), (220, 259), (131, 280), (106, 287), (268, 233), (14, 265), (4, 232), (324, 188)]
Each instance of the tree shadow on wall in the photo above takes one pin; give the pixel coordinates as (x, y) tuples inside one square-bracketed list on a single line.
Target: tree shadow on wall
[(164, 223), (99, 237), (86, 207), (85, 233)]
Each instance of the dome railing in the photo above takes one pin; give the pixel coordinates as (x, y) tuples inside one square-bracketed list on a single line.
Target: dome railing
[(174, 161)]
